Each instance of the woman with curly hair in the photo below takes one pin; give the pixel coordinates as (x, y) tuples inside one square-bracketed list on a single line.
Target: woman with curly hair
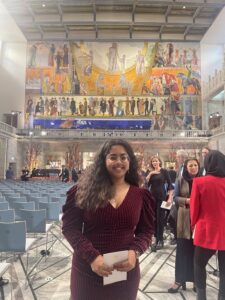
[(107, 212)]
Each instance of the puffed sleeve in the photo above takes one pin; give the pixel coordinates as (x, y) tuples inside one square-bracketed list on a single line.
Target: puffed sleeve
[(145, 227), (168, 180), (194, 203), (72, 223)]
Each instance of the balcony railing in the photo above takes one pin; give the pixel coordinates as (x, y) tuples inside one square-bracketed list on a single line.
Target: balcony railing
[(7, 129), (104, 134), (218, 130), (214, 84)]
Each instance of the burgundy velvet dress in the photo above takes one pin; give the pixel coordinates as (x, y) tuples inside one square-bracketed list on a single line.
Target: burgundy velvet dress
[(108, 229)]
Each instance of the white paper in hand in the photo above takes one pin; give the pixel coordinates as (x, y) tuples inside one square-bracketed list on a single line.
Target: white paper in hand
[(110, 259), (166, 206)]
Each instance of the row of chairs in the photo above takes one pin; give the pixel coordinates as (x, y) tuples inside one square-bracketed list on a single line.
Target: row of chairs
[(34, 205), (36, 220), (53, 209), (14, 241)]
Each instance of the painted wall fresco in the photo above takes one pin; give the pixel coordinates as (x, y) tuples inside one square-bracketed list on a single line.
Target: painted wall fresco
[(156, 81)]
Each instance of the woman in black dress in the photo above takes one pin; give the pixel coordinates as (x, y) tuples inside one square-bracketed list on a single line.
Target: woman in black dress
[(159, 183)]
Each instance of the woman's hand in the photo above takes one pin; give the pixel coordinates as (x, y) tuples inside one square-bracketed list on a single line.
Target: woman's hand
[(187, 201), (169, 201), (100, 268), (127, 265), (152, 173)]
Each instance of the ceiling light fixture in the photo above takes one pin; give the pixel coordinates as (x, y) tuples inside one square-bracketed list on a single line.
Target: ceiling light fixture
[(184, 7), (43, 4)]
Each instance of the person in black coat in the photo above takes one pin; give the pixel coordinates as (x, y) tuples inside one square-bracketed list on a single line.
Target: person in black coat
[(74, 175), (64, 174)]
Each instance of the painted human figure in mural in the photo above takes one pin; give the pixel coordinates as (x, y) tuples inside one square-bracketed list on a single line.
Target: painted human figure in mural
[(174, 105), (37, 109), (76, 84), (157, 87), (42, 106), (119, 108), (177, 57), (112, 57), (138, 106), (146, 103), (184, 59), (152, 107), (123, 63), (140, 63), (111, 103), (103, 106), (47, 109), (194, 59), (141, 106), (123, 81), (33, 55), (161, 122), (85, 106), (91, 106), (51, 55), (168, 54), (155, 122), (100, 81), (65, 55), (158, 61), (81, 108), (88, 67), (144, 89), (58, 59), (73, 106), (127, 106), (29, 107)]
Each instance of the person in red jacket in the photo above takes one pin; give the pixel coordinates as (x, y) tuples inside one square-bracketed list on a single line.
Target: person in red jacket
[(207, 209)]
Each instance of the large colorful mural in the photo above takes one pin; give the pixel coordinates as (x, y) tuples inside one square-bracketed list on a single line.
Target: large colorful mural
[(155, 81)]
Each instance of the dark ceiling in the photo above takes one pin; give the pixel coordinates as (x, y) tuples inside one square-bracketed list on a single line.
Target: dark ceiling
[(173, 20)]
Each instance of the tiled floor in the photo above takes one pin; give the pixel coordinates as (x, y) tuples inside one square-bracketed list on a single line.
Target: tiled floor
[(52, 276)]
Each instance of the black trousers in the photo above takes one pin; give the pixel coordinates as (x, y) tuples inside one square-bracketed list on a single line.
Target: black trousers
[(201, 258), (160, 221)]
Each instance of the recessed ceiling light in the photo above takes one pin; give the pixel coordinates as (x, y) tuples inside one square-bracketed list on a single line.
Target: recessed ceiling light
[(43, 4), (184, 7)]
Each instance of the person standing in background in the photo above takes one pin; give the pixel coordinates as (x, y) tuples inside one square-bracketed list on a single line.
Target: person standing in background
[(159, 184), (107, 212), (207, 210), (9, 173), (74, 175), (205, 151), (64, 174), (181, 156), (184, 271)]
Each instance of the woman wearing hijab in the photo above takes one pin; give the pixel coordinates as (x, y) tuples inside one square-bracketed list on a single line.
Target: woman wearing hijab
[(184, 265), (207, 208)]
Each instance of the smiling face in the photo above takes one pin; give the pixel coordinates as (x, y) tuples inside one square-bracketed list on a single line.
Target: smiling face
[(117, 162), (192, 168), (155, 162)]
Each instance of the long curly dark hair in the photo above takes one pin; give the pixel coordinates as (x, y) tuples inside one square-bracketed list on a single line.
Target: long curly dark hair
[(95, 186)]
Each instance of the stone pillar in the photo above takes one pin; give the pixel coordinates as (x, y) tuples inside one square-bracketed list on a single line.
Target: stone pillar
[(3, 152)]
